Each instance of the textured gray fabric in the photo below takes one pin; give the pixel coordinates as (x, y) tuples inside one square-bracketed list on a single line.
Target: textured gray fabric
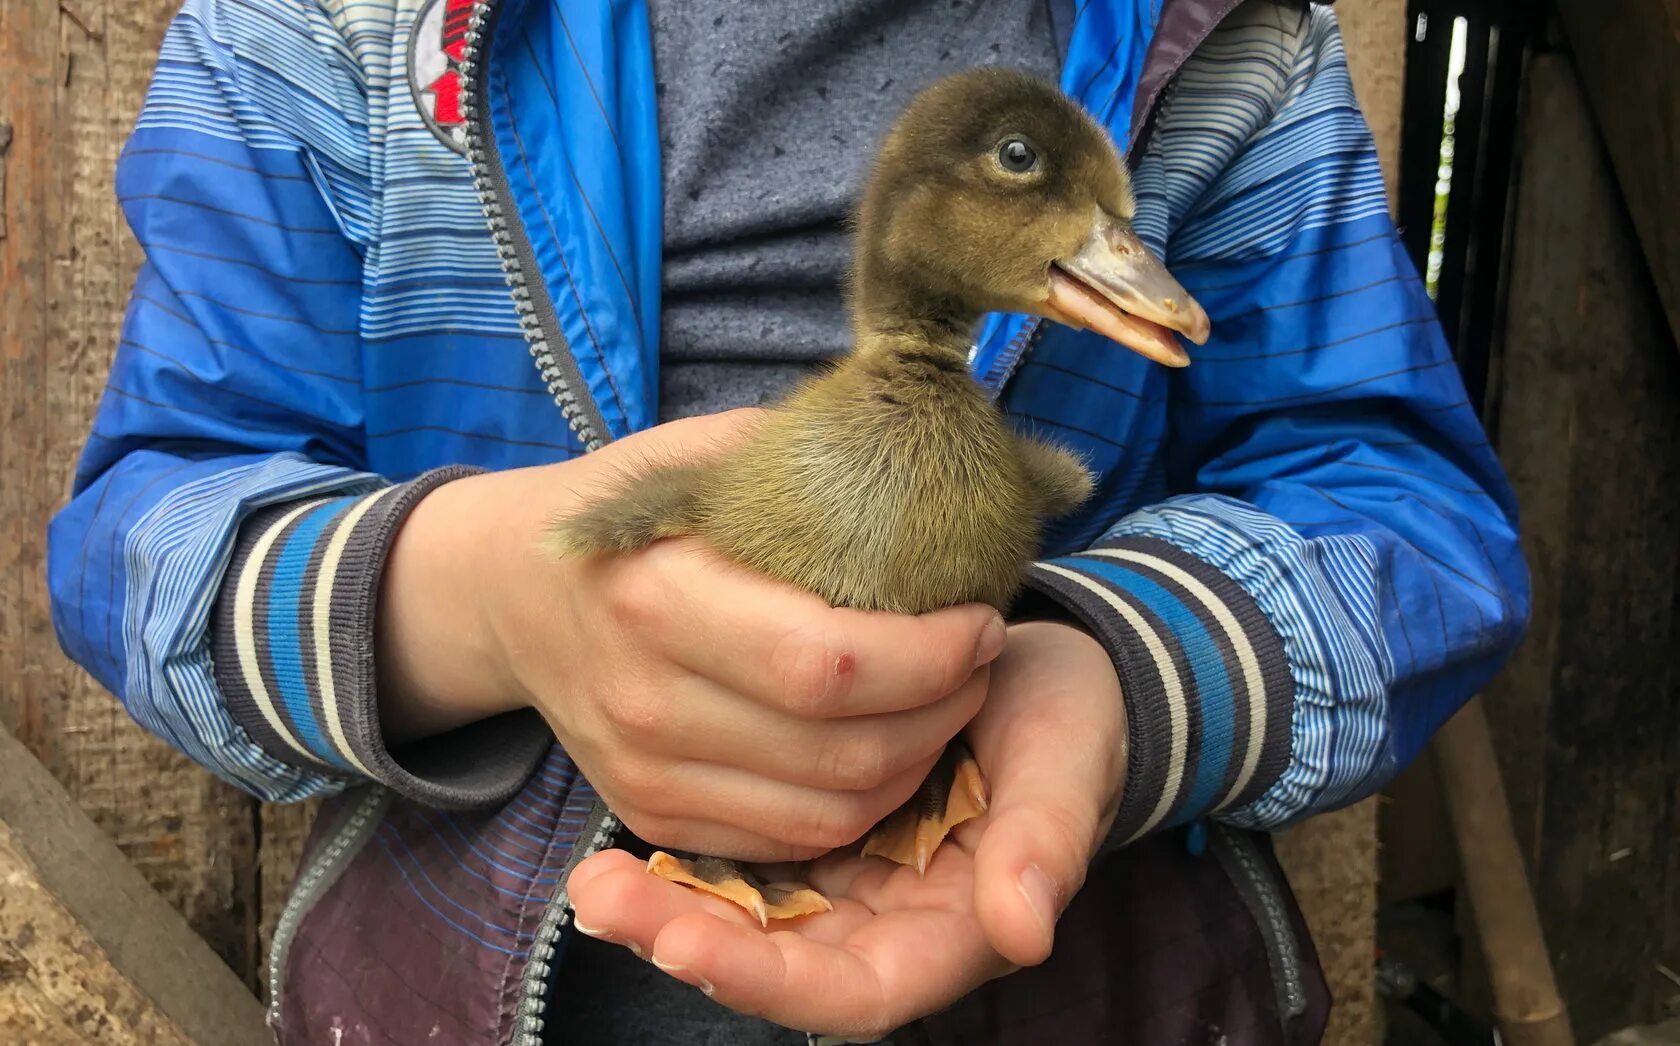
[(769, 115)]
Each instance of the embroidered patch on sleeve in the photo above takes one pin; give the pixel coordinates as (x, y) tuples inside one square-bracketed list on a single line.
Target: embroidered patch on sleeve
[(435, 52)]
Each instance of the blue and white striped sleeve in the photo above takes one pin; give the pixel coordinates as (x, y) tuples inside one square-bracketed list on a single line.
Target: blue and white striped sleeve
[(235, 394), (292, 647), (1338, 568)]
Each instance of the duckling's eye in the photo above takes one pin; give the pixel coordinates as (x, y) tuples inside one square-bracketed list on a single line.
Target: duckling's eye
[(1016, 155)]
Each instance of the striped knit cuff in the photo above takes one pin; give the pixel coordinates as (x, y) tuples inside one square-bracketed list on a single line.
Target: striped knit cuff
[(293, 650), (1208, 691)]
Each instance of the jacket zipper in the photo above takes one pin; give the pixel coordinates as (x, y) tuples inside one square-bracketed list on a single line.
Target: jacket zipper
[(1265, 901), (559, 370), (344, 842), (530, 1011), (549, 349), (1009, 360)]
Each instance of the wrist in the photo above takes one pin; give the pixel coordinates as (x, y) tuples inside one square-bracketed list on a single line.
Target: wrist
[(441, 662), (1087, 668)]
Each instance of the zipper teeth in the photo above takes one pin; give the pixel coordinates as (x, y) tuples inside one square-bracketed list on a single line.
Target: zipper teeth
[(308, 888), (1282, 953), (542, 353), (531, 1011), (1009, 360)]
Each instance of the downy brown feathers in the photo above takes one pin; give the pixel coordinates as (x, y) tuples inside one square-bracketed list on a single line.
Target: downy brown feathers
[(893, 482)]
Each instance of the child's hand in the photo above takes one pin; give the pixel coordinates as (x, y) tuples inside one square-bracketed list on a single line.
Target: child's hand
[(1051, 740), (720, 712), (715, 710)]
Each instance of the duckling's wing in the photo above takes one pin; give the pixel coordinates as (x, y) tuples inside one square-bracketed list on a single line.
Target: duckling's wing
[(659, 503), (1059, 480), (954, 792)]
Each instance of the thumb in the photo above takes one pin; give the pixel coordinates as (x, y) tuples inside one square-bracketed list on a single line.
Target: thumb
[(1034, 853), (1051, 740)]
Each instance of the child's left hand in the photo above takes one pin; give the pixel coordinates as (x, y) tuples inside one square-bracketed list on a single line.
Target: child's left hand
[(1051, 739)]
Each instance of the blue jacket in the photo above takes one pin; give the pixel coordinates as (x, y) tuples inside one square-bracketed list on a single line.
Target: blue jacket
[(1302, 553)]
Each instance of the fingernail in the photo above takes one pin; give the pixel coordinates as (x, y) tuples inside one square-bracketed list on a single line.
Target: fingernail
[(590, 931), (610, 937), (1040, 895), (686, 975), (991, 641)]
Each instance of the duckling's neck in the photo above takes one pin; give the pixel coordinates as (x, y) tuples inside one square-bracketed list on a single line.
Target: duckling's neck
[(889, 316)]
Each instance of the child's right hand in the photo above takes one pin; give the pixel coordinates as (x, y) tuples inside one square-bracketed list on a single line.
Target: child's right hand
[(715, 710)]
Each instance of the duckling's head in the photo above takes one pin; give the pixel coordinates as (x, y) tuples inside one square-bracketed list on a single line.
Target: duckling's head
[(996, 192)]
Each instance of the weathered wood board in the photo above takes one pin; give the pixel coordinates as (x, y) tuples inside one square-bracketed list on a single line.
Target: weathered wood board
[(1627, 53), (75, 75), (88, 951), (1588, 713)]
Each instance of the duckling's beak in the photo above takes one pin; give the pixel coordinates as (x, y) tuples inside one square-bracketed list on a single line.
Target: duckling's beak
[(1115, 286)]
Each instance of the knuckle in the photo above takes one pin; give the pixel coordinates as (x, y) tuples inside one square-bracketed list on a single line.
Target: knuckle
[(856, 761), (640, 781), (814, 668), (839, 822), (634, 598), (635, 711)]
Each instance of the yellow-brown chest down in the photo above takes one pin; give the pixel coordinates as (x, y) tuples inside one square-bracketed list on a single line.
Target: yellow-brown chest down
[(891, 484)]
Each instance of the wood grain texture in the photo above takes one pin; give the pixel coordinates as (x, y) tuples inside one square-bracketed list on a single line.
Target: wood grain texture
[(56, 986), (75, 76), (88, 951), (1588, 714), (1331, 860), (1627, 53)]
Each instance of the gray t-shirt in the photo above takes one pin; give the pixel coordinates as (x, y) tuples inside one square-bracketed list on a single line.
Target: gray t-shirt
[(769, 115)]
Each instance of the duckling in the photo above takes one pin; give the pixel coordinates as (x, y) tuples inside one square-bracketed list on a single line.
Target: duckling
[(893, 482)]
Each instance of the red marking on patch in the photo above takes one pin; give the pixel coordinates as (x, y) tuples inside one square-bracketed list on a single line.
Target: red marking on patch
[(457, 15), (452, 43), (447, 87)]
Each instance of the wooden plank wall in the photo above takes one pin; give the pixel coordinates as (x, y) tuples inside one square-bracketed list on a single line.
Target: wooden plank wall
[(75, 74), (88, 951), (1627, 54), (1588, 713)]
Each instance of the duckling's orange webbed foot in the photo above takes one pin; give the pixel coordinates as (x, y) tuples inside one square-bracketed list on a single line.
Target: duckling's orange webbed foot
[(953, 793), (728, 880)]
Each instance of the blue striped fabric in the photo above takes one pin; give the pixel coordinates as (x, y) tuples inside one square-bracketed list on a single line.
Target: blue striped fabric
[(1319, 452), (292, 648), (1329, 557), (1208, 694), (169, 689)]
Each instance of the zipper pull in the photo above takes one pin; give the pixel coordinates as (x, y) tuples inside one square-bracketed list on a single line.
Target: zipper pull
[(1196, 837)]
